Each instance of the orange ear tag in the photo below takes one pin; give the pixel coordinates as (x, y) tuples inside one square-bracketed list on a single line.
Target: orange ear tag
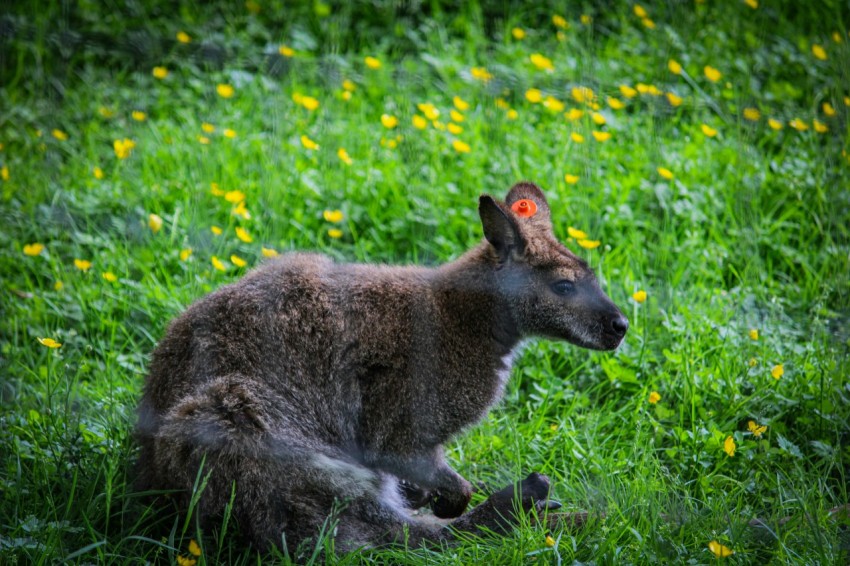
[(525, 208)]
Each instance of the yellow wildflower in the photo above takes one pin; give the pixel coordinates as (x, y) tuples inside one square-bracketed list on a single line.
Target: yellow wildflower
[(574, 114), (269, 252), (238, 261), (673, 99), (429, 110), (97, 172), (203, 140), (819, 52), (334, 216), (33, 249), (82, 264), (308, 143), (665, 173), (372, 62), (456, 116), (639, 11), (224, 90), (58, 286), (752, 114), (309, 103), (348, 85), (753, 334), (798, 125), (335, 233), (577, 137), (708, 130), (820, 127), (460, 103), (756, 429), (243, 235), (828, 109), (836, 37), (589, 244), (512, 114), (286, 51), (648, 23), (729, 446), (160, 72), (615, 103), (154, 222), (4, 172), (571, 179), (518, 33), (774, 124), (654, 397), (49, 342), (207, 127), (754, 4), (109, 276), (183, 37), (344, 157), (194, 549), (601, 136), (388, 121), (777, 371), (674, 66), (481, 74), (585, 19), (123, 147), (419, 122), (559, 21), (628, 91), (460, 146), (139, 116), (553, 104), (228, 133), (215, 230), (576, 233), (454, 128), (106, 112), (59, 134), (217, 264), (712, 74), (549, 541), (234, 197), (639, 296), (752, 362), (185, 561), (533, 95), (582, 94), (541, 62), (597, 118), (185, 253), (718, 549)]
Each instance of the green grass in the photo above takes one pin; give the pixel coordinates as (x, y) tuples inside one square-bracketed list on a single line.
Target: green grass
[(750, 233)]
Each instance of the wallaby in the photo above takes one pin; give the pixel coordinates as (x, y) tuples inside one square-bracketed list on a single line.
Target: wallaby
[(310, 387)]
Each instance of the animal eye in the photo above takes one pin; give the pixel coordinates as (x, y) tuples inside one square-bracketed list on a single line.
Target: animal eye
[(563, 287)]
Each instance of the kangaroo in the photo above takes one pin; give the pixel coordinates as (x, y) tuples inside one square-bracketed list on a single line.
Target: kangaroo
[(311, 387)]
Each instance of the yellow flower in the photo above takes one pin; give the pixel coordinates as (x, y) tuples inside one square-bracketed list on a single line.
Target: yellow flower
[(585, 19), (4, 172), (571, 180), (183, 37), (597, 118), (665, 173), (589, 244), (577, 137), (533, 95), (729, 446), (388, 121), (243, 235), (59, 135), (712, 74), (639, 296), (224, 90), (123, 147), (553, 104), (836, 37), (828, 109), (512, 114), (601, 136), (185, 253), (33, 249), (798, 125), (242, 211), (460, 103), (673, 99), (49, 342), (541, 62), (708, 130), (154, 222), (194, 549), (160, 72), (550, 541), (582, 94), (238, 261), (109, 276), (286, 51), (639, 11), (574, 114), (207, 127), (654, 397), (333, 216), (756, 429), (481, 74), (106, 112), (648, 23), (139, 116), (754, 4), (753, 334), (560, 21), (429, 110), (97, 172), (419, 122), (575, 233), (372, 62), (820, 127), (203, 140), (454, 128), (269, 252), (185, 561), (752, 114), (819, 52), (335, 233), (718, 549), (628, 91), (309, 102), (228, 133), (348, 85), (774, 124), (460, 146), (215, 230), (218, 264), (615, 103), (518, 33), (234, 197), (752, 362), (674, 66), (777, 371), (308, 143), (456, 116), (58, 286), (344, 157), (82, 264)]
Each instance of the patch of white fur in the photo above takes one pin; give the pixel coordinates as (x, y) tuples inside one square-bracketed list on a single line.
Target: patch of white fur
[(390, 495), (351, 479)]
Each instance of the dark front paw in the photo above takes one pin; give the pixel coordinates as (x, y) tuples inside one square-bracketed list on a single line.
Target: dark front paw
[(451, 504), (414, 496)]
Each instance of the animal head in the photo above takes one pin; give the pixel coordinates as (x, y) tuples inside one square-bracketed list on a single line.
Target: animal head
[(550, 291)]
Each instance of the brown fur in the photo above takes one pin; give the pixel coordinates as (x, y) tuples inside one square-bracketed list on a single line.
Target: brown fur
[(310, 383)]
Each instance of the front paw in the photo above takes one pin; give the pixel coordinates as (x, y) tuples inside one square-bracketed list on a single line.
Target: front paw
[(448, 504)]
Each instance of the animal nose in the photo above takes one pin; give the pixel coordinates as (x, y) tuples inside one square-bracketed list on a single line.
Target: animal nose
[(620, 324)]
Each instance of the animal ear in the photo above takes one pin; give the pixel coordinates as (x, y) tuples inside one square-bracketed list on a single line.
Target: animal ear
[(518, 200), (499, 228)]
